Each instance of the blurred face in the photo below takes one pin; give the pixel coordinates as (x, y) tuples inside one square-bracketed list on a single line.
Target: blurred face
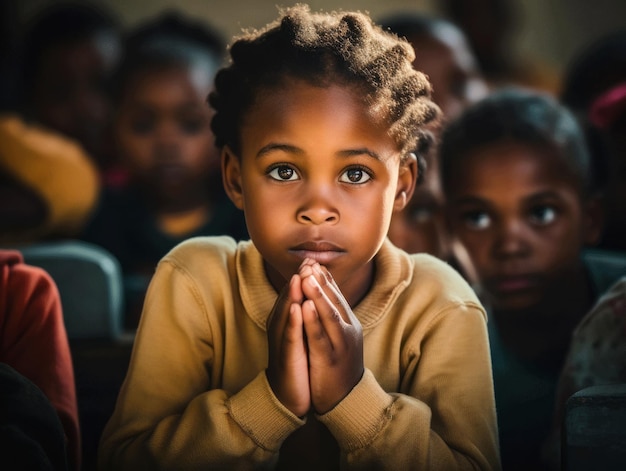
[(317, 177), (69, 95), (163, 131), (520, 216), (446, 59), (420, 226)]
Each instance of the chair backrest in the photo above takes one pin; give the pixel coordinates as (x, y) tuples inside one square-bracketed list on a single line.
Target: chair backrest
[(594, 435), (90, 283)]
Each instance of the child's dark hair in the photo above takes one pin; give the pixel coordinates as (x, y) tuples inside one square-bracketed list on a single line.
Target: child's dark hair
[(322, 49), (169, 40), (518, 115), (409, 24)]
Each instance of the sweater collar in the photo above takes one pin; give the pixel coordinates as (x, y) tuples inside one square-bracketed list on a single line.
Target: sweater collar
[(392, 274)]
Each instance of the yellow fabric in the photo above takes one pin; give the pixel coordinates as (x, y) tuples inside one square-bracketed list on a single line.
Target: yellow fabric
[(196, 395), (54, 167)]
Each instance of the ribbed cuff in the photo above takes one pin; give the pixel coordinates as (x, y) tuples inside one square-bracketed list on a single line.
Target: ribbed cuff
[(261, 415), (361, 415)]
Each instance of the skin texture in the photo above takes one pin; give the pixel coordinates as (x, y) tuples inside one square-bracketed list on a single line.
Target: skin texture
[(521, 216), (70, 96), (163, 134), (318, 179)]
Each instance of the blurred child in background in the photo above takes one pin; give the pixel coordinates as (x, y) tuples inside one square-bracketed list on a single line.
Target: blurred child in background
[(33, 342), (69, 51), (163, 138), (595, 90), (444, 55), (516, 170), (53, 146)]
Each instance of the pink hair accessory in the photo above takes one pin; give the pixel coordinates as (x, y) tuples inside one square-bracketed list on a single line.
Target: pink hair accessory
[(608, 107)]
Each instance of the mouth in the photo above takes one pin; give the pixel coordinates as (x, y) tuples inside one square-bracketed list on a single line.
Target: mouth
[(514, 283), (322, 252)]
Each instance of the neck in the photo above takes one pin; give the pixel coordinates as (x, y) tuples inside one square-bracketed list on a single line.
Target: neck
[(542, 332)]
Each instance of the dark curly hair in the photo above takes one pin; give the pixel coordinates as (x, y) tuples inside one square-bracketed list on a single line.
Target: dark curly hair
[(520, 115), (325, 48), (170, 39)]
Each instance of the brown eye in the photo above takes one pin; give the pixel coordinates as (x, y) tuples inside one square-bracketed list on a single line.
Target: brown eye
[(283, 173), (355, 175)]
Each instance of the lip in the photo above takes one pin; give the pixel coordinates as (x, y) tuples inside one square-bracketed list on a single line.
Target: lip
[(322, 252), (169, 171), (514, 283)]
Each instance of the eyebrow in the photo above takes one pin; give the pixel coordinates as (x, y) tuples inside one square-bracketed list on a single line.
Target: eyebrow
[(266, 149), (547, 194)]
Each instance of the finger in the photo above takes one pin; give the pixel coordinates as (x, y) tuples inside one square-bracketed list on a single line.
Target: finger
[(289, 295), (293, 335), (317, 338), (328, 313), (336, 296)]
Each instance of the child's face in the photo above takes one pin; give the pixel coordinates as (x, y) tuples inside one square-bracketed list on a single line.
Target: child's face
[(163, 130), (451, 69), (69, 95), (317, 177), (522, 220)]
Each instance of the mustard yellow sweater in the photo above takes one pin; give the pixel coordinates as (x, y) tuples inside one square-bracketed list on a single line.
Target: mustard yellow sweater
[(196, 395), (56, 169)]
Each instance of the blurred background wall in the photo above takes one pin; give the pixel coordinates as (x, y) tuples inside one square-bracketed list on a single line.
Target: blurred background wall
[(550, 31)]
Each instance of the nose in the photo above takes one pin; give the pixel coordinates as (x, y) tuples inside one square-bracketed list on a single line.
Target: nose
[(318, 207), (511, 239), (167, 142)]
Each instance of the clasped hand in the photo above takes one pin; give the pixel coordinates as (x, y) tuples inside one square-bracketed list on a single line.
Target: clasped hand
[(315, 343)]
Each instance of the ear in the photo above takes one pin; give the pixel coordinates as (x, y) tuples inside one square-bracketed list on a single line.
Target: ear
[(594, 219), (407, 178), (231, 177)]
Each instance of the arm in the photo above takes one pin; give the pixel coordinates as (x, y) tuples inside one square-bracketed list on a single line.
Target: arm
[(34, 342), (444, 417), (172, 411)]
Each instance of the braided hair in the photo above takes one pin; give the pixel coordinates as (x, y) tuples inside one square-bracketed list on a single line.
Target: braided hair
[(322, 49)]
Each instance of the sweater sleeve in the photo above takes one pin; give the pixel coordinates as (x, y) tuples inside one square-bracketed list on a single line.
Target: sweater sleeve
[(34, 342), (169, 413), (446, 417)]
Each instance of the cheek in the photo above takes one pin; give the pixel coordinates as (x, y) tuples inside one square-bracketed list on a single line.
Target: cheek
[(200, 153), (478, 245), (135, 151)]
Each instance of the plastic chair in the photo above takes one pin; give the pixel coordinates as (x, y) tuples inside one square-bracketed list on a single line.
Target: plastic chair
[(90, 283)]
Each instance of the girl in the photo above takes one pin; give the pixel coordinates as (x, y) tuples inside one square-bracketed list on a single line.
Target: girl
[(317, 344)]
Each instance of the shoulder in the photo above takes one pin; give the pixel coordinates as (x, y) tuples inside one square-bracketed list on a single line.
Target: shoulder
[(27, 291), (205, 256), (604, 268), (441, 282), (23, 278), (421, 286)]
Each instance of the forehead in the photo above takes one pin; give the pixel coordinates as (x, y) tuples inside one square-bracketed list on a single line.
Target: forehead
[(185, 78), (508, 167), (313, 117)]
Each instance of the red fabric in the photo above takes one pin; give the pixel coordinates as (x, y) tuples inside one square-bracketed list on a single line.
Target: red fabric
[(609, 106), (33, 339)]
